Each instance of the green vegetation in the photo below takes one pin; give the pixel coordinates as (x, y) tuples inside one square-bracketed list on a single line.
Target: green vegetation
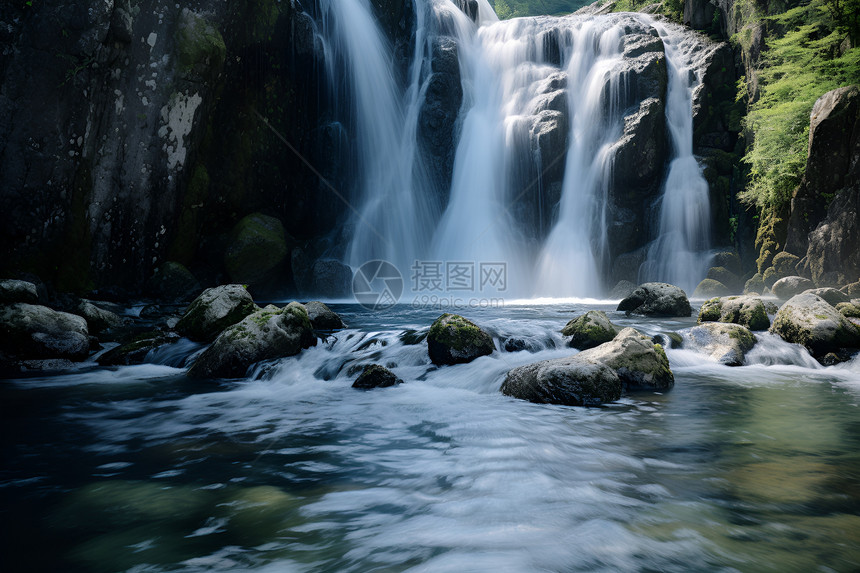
[(515, 8), (808, 53)]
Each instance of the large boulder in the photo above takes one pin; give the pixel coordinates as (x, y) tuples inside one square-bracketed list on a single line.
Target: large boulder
[(322, 317), (567, 381), (809, 320), (657, 299), (98, 319), (268, 333), (173, 281), (30, 331), (257, 249), (789, 286), (12, 291), (727, 277), (830, 167), (755, 284), (589, 330), (214, 310), (833, 255), (639, 363), (748, 311), (331, 278), (723, 342), (376, 376), (456, 340)]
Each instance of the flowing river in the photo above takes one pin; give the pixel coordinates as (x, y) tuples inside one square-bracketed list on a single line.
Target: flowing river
[(138, 468)]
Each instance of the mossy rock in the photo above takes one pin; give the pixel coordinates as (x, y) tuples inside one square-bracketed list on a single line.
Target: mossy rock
[(214, 310), (725, 276), (639, 363), (809, 320), (266, 334), (711, 288), (728, 260), (322, 317), (173, 281), (135, 352), (456, 340), (723, 342), (589, 330), (770, 276), (787, 287), (852, 290), (568, 381), (849, 309), (200, 49), (785, 264), (755, 284), (746, 311), (257, 249)]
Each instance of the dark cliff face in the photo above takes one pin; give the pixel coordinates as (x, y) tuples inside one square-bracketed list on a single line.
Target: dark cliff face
[(136, 133)]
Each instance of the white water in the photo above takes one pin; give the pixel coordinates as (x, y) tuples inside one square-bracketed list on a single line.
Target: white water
[(140, 469), (399, 215), (679, 255)]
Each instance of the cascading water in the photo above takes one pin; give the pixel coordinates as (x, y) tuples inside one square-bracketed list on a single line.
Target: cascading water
[(536, 92), (679, 255)]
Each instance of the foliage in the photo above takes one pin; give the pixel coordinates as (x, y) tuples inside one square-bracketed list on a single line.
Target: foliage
[(506, 9), (802, 62)]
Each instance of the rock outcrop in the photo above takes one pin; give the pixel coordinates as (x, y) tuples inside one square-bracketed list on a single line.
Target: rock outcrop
[(809, 320), (746, 311), (589, 330), (456, 340), (268, 333), (725, 343), (657, 299), (214, 310)]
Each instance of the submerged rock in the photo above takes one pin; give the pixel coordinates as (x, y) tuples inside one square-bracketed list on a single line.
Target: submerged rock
[(566, 381), (322, 317), (12, 291), (809, 320), (657, 299), (268, 333), (589, 330), (747, 311), (34, 331), (135, 352), (639, 363), (787, 287), (456, 340), (724, 342), (214, 310), (376, 376)]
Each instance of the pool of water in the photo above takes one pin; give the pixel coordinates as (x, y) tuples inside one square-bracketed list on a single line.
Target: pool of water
[(139, 468)]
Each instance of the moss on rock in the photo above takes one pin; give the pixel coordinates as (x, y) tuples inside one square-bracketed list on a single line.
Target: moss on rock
[(589, 330), (456, 340)]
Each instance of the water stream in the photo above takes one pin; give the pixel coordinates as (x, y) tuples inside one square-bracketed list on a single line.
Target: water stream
[(138, 468)]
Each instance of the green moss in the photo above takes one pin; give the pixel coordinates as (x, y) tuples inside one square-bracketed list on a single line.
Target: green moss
[(200, 49), (754, 317), (590, 330), (454, 331), (710, 311)]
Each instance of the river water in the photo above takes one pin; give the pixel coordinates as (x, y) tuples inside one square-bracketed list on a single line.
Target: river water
[(138, 468)]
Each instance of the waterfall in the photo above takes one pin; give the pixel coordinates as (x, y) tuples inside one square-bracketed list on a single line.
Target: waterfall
[(679, 255), (545, 102)]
